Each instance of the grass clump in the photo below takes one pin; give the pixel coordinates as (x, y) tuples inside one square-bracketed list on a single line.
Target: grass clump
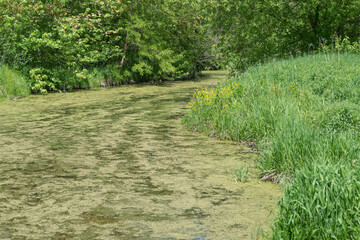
[(12, 83), (322, 202), (299, 112), (240, 174)]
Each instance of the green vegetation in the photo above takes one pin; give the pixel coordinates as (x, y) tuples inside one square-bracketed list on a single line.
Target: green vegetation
[(322, 202), (240, 174), (61, 45), (302, 112), (253, 31), (12, 83), (304, 115)]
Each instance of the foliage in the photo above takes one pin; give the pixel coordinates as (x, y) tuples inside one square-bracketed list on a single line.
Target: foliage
[(257, 31), (146, 40), (299, 112), (12, 83), (345, 45), (41, 81)]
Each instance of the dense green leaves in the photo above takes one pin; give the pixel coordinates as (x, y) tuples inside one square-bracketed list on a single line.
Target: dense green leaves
[(166, 39), (255, 31), (144, 39)]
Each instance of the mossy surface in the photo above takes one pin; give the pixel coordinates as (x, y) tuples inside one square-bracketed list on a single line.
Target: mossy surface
[(116, 163)]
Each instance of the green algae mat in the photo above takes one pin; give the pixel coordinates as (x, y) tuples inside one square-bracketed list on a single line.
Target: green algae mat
[(116, 163)]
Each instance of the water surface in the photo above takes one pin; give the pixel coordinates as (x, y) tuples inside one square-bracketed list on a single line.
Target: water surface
[(116, 163)]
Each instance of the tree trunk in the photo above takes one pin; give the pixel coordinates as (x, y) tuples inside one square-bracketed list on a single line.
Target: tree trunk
[(124, 56), (126, 44), (126, 39)]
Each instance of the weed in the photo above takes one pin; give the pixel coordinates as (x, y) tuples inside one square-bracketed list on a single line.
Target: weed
[(240, 174)]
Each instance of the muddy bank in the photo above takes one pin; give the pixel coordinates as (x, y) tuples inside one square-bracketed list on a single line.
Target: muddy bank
[(116, 163)]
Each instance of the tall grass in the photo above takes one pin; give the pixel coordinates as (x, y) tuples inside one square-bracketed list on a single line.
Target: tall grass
[(12, 83), (322, 202), (299, 112)]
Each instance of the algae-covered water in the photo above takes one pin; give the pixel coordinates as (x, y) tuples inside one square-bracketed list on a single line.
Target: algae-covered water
[(116, 163)]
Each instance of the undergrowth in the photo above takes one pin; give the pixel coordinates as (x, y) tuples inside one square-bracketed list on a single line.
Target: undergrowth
[(12, 83), (304, 115)]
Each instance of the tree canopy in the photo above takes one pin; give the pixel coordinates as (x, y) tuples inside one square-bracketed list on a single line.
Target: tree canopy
[(146, 40)]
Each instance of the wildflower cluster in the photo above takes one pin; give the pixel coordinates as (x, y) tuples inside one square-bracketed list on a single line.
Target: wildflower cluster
[(221, 97)]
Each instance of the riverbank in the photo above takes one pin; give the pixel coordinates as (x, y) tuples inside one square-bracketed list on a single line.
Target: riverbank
[(16, 84), (303, 114)]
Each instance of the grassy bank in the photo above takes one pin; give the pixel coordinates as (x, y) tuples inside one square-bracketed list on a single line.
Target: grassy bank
[(304, 116), (12, 83)]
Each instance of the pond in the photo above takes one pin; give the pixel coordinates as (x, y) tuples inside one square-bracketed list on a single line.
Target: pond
[(116, 163)]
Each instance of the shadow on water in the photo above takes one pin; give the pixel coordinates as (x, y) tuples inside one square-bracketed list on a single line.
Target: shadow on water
[(116, 163)]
